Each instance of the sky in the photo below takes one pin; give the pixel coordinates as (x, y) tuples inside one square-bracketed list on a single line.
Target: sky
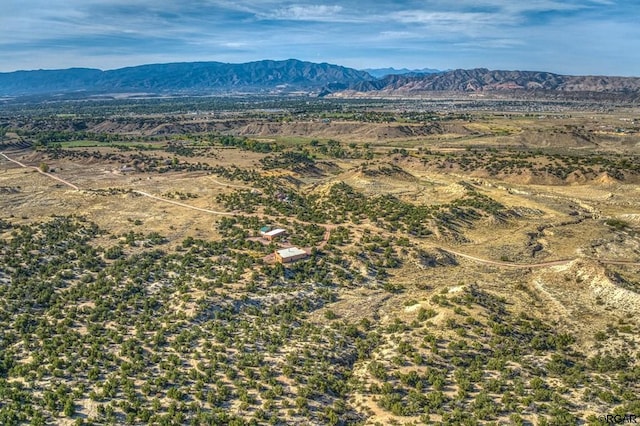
[(581, 37)]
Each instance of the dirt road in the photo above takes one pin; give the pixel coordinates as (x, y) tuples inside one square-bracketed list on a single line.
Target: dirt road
[(164, 200), (508, 264), (69, 184)]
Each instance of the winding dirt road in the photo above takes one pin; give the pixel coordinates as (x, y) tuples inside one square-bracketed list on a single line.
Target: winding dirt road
[(508, 264), (37, 169), (177, 203)]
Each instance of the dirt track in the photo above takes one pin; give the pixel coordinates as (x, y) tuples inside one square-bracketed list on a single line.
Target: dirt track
[(69, 184), (534, 265), (508, 264), (216, 212)]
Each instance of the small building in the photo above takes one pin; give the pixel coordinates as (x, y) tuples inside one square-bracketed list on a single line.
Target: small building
[(274, 233), (265, 229), (290, 254)]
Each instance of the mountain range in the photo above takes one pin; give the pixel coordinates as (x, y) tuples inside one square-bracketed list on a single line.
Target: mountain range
[(482, 80), (187, 77), (293, 75)]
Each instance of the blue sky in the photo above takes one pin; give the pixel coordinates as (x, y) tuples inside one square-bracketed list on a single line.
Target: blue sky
[(563, 36)]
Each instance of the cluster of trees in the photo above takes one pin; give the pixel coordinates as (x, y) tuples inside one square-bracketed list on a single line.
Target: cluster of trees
[(344, 204), (179, 195), (287, 160), (334, 149), (48, 137), (515, 162), (243, 143)]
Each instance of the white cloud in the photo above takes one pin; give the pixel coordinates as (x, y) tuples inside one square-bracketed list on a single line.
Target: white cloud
[(234, 44), (318, 13), (441, 18), (398, 35), (445, 25), (497, 43), (512, 7)]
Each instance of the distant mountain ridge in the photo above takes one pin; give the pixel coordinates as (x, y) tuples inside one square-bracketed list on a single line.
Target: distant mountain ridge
[(383, 72), (205, 77), (484, 80), (293, 75)]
